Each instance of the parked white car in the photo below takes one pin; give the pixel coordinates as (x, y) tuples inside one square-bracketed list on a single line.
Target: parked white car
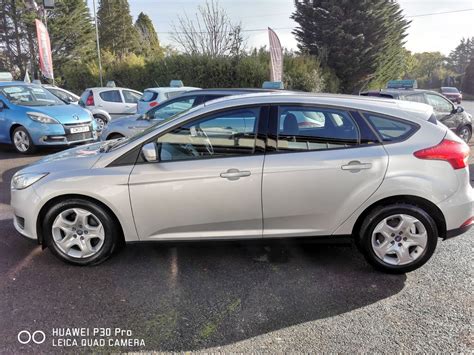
[(62, 94), (115, 101), (154, 96)]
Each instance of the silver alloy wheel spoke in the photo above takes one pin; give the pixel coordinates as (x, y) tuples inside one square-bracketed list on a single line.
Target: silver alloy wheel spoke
[(21, 141), (399, 239), (78, 233)]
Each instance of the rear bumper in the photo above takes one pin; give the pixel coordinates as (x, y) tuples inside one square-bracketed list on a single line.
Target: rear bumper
[(458, 231)]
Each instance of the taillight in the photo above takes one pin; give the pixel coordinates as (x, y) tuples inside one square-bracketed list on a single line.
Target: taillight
[(90, 100), (153, 103), (455, 153)]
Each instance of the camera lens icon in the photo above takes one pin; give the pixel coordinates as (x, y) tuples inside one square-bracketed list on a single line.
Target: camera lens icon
[(25, 337)]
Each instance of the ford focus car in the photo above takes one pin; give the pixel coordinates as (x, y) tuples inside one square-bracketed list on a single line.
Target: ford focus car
[(383, 172), (31, 116)]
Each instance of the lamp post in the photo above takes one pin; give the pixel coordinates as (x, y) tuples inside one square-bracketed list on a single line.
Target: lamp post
[(98, 45)]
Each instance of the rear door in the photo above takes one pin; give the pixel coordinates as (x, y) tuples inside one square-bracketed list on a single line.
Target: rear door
[(321, 165), (112, 102)]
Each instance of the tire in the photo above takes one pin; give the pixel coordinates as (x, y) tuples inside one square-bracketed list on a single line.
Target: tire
[(401, 254), (101, 122), (76, 243), (465, 132), (115, 136), (22, 141)]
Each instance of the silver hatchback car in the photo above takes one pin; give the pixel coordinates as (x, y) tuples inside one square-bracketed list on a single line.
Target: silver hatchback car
[(259, 166)]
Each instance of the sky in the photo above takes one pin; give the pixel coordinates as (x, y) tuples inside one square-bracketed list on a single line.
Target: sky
[(439, 32)]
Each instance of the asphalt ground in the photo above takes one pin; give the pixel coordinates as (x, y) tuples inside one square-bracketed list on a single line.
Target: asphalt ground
[(237, 297)]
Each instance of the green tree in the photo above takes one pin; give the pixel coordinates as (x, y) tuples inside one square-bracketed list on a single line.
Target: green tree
[(358, 40), (116, 31), (148, 39), (460, 57), (468, 81), (71, 32)]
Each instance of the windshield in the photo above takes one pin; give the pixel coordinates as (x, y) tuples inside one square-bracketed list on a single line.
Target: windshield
[(450, 90), (29, 95), (120, 143)]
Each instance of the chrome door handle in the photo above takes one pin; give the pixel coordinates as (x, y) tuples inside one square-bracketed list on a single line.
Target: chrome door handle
[(356, 166), (234, 174)]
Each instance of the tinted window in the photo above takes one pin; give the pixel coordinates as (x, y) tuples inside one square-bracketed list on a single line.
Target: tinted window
[(130, 97), (29, 95), (149, 96), (440, 104), (303, 128), (169, 109), (111, 96), (415, 98), (391, 129), (230, 133)]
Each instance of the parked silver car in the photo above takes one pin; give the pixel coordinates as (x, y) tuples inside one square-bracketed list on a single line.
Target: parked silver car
[(382, 171)]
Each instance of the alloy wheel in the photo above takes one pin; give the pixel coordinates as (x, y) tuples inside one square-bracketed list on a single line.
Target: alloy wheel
[(78, 233), (465, 134), (21, 141), (399, 239)]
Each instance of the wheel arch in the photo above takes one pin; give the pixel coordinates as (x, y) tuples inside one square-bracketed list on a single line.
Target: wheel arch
[(429, 206), (44, 209), (12, 129)]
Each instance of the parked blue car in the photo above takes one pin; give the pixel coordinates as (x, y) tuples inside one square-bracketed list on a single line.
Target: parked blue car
[(31, 116)]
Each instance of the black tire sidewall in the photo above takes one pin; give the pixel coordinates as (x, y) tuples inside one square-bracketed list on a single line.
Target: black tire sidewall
[(110, 229), (371, 221), (31, 149), (469, 129)]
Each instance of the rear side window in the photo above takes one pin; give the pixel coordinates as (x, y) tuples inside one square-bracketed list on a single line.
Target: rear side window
[(391, 129), (111, 96), (149, 96), (308, 128), (171, 94)]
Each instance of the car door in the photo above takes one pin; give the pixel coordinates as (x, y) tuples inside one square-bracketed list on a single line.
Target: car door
[(131, 99), (320, 167), (207, 183), (444, 110), (4, 124), (111, 101)]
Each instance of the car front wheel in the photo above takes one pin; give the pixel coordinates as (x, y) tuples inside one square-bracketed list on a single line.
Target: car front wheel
[(465, 133), (22, 141), (398, 238), (80, 232)]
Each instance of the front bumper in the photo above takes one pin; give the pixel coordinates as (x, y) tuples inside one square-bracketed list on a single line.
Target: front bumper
[(58, 134), (25, 205)]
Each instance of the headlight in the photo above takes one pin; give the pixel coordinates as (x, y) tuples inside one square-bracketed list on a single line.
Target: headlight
[(22, 181), (41, 117)]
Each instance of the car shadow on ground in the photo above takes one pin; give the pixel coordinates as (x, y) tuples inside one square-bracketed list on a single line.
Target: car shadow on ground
[(189, 296)]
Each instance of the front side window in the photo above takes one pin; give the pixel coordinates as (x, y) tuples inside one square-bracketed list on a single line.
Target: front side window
[(389, 129), (440, 104), (165, 111), (111, 96), (130, 97), (308, 128), (229, 133)]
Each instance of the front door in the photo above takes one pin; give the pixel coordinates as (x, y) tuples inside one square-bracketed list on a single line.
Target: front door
[(207, 183), (320, 172), (444, 110)]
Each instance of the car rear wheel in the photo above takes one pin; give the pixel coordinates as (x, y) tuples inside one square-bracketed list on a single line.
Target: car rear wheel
[(465, 133), (22, 141), (80, 232), (398, 238)]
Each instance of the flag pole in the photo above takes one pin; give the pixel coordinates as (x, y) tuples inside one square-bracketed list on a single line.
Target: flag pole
[(98, 45)]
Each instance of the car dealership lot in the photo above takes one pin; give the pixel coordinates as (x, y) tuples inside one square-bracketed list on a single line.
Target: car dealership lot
[(234, 296)]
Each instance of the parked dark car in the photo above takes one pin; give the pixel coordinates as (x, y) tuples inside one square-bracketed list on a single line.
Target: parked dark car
[(455, 118), (452, 93)]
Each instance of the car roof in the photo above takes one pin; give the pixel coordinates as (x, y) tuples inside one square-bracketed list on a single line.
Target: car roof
[(225, 91), (103, 88), (398, 108), (8, 83), (171, 88), (398, 91)]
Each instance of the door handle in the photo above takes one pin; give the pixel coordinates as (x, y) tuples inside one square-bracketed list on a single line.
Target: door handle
[(234, 174), (356, 166)]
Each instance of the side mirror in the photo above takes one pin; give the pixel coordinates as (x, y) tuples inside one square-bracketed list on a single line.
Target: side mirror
[(458, 109), (150, 152)]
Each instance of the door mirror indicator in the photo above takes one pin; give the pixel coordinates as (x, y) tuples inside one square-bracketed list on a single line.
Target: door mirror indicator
[(150, 152)]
